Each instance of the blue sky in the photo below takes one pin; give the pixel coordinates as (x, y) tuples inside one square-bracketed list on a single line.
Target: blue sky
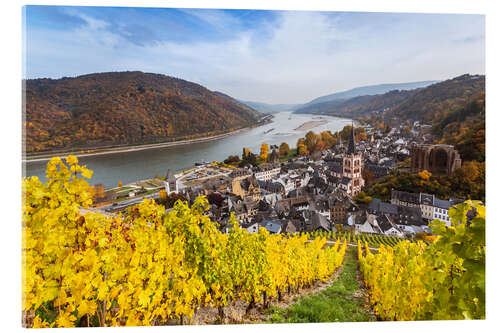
[(266, 56)]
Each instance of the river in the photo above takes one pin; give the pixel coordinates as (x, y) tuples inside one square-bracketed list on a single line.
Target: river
[(131, 166)]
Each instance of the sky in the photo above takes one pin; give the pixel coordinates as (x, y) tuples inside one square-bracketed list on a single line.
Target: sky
[(254, 55)]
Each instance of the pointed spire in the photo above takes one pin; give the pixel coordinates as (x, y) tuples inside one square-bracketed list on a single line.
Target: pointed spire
[(351, 147)]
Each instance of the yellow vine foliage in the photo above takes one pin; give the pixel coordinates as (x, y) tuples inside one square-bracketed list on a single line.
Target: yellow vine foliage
[(147, 266), (441, 281)]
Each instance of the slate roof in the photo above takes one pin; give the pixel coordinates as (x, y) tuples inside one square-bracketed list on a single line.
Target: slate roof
[(377, 170), (245, 183), (413, 198), (456, 201), (288, 226), (345, 180), (320, 222), (271, 226), (320, 204), (265, 167), (387, 208), (426, 199), (333, 180), (385, 223), (335, 167), (318, 183), (274, 187), (247, 225), (239, 173), (444, 204), (408, 216), (364, 217)]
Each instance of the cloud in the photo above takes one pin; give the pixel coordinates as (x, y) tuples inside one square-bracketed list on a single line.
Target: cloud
[(216, 18), (286, 57), (92, 23)]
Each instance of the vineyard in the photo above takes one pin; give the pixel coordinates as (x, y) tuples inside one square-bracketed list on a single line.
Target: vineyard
[(149, 266), (441, 281), (373, 240)]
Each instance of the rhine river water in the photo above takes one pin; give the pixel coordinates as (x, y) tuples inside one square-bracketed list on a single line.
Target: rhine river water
[(131, 166)]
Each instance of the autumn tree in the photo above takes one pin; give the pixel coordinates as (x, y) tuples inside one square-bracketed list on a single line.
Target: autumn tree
[(368, 176), (246, 152), (264, 151), (98, 192), (424, 175), (284, 149), (361, 136), (345, 133), (300, 141), (310, 140), (232, 159), (362, 198), (250, 159), (470, 176), (328, 139), (319, 146), (302, 150), (169, 200)]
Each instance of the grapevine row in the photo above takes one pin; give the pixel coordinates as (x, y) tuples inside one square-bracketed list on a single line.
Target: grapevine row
[(148, 266), (374, 240), (444, 280)]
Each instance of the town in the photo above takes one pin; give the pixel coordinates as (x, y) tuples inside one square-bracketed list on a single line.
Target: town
[(317, 192)]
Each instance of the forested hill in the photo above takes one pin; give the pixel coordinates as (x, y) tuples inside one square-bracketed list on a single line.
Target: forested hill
[(429, 104), (369, 90), (249, 109), (358, 106), (465, 128), (434, 102), (122, 108)]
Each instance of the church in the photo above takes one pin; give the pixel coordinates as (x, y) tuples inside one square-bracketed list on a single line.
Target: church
[(352, 166)]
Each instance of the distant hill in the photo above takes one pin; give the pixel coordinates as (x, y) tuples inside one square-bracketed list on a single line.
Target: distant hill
[(123, 108), (368, 90), (244, 106), (270, 108), (436, 101), (456, 110), (429, 104), (358, 106)]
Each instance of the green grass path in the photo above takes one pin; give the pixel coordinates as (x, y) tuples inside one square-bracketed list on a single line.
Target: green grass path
[(340, 302)]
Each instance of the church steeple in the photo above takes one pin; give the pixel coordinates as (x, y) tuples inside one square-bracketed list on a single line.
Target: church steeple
[(351, 147)]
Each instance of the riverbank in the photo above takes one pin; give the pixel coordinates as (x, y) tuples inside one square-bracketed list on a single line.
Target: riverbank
[(127, 167), (124, 149), (311, 124)]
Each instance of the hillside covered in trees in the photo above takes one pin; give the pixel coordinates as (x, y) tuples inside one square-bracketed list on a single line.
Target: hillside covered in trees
[(358, 106), (433, 103), (370, 90), (124, 108), (454, 108), (465, 128), (428, 104)]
